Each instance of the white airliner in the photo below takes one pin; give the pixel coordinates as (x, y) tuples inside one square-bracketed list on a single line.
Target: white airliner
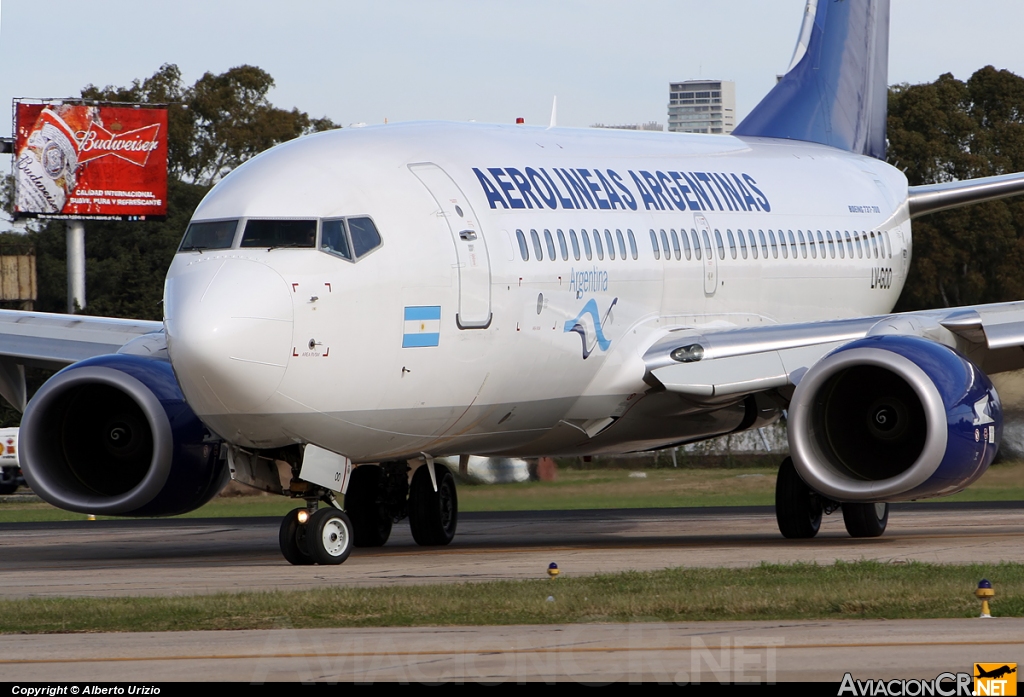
[(402, 296)]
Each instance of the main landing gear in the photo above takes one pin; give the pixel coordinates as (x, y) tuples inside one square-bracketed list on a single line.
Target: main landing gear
[(377, 497), (799, 510)]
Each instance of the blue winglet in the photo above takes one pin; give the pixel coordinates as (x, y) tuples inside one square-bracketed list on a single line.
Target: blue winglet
[(836, 91)]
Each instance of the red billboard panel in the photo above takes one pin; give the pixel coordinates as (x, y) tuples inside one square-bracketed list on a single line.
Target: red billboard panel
[(81, 161)]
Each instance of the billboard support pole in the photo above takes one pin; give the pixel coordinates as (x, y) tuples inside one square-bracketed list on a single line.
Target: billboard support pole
[(76, 265)]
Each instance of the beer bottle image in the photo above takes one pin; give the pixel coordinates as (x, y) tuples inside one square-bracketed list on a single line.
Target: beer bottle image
[(46, 165)]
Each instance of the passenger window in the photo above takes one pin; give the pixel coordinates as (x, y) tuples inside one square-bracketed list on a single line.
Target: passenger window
[(775, 248), (632, 244), (743, 243), (550, 243), (686, 243), (664, 245), (586, 244), (575, 245), (654, 244), (888, 244), (279, 233), (696, 244), (721, 245), (597, 246), (622, 244), (675, 245), (792, 244), (611, 244), (365, 237), (764, 244), (821, 245), (874, 243), (831, 245), (214, 235), (732, 243), (753, 243), (707, 244), (538, 251), (839, 244), (810, 243), (334, 239), (783, 248), (803, 244), (562, 246), (524, 251), (860, 247)]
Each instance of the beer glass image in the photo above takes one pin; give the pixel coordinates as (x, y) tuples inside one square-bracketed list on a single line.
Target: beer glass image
[(46, 165)]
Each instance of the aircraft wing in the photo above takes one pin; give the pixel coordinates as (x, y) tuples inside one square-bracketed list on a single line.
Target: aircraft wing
[(734, 361), (47, 340)]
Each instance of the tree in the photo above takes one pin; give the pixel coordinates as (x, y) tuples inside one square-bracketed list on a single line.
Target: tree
[(219, 122), (951, 130)]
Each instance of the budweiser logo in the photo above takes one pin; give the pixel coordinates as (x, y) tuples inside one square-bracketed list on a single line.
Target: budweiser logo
[(133, 146)]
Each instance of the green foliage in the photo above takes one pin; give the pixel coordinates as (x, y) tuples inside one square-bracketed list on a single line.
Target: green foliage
[(840, 591), (951, 130), (219, 122)]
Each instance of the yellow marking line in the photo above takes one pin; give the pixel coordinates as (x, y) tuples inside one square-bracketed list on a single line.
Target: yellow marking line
[(497, 651)]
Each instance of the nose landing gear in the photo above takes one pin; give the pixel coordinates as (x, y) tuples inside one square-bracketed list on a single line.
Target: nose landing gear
[(316, 536)]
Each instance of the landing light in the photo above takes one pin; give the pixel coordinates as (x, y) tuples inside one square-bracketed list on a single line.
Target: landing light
[(688, 354), (303, 516)]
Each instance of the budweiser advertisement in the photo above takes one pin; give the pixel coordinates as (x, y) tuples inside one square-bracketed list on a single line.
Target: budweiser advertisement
[(82, 161)]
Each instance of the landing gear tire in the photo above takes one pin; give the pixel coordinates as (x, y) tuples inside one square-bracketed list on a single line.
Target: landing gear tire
[(433, 515), (865, 519), (797, 509), (371, 523), (329, 536), (292, 539)]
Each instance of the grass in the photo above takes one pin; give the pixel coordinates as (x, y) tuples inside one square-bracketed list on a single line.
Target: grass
[(855, 590), (663, 487)]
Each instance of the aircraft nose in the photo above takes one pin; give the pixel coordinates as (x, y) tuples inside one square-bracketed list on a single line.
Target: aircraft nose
[(229, 333)]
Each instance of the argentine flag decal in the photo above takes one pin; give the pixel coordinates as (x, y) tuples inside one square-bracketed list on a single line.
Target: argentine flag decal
[(422, 326)]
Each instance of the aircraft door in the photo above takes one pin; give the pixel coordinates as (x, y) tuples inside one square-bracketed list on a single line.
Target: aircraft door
[(470, 247), (709, 258)]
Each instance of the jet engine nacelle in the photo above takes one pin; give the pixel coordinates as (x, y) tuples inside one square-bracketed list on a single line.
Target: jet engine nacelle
[(113, 435), (893, 418)]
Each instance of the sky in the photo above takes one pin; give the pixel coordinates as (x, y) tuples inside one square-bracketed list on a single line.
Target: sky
[(608, 61)]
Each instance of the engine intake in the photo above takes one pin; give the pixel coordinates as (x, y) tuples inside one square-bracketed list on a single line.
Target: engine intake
[(892, 418), (113, 435)]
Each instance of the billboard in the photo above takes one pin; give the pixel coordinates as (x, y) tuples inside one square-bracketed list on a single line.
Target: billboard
[(79, 161)]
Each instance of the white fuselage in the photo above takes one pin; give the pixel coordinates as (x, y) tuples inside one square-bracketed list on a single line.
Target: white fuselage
[(528, 357)]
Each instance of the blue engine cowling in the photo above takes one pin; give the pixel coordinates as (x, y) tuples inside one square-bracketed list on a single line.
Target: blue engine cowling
[(113, 435), (893, 418)]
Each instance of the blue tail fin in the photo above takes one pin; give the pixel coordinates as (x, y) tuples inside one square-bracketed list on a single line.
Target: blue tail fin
[(836, 90)]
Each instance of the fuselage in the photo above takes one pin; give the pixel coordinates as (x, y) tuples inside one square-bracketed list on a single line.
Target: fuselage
[(520, 275)]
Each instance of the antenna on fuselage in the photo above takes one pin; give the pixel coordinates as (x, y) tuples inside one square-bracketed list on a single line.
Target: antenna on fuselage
[(554, 112)]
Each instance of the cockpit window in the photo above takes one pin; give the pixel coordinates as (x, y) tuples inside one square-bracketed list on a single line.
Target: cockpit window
[(334, 239), (213, 235), (365, 237), (349, 238), (279, 233)]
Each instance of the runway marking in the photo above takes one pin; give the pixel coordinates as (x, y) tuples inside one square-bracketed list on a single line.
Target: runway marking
[(486, 652)]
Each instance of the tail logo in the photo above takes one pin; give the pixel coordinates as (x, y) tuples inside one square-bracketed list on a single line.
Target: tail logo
[(589, 324)]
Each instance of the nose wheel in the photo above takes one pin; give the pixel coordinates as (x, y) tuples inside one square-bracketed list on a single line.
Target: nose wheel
[(319, 537)]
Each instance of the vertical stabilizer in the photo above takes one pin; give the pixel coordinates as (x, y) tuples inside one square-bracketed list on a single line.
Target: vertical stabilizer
[(836, 90)]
